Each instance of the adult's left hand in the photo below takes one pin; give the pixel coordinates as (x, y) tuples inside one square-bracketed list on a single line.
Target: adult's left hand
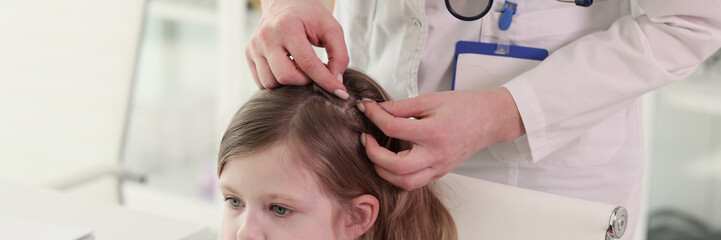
[(448, 128)]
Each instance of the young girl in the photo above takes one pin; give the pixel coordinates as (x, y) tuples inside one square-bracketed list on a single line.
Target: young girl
[(291, 166)]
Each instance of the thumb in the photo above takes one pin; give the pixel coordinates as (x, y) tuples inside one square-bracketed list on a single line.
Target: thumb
[(411, 107)]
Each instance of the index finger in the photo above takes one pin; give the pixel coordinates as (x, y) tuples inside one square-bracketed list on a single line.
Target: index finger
[(395, 127), (409, 181), (417, 107), (302, 51), (402, 163)]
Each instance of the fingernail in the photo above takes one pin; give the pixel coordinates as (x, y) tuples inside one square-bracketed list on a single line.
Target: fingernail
[(340, 77), (368, 100), (363, 139), (341, 94), (360, 106)]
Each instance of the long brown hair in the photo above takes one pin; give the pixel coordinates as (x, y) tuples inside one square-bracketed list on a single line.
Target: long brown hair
[(324, 131)]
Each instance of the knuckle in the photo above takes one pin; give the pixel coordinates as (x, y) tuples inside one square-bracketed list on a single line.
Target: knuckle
[(429, 101), (408, 183), (287, 78), (283, 78), (399, 167), (389, 129), (248, 50), (343, 59), (284, 22), (249, 53), (423, 101), (392, 104), (262, 34), (269, 83), (335, 29), (305, 62)]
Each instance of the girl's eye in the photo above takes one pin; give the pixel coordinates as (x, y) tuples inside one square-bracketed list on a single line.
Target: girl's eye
[(281, 211), (235, 202)]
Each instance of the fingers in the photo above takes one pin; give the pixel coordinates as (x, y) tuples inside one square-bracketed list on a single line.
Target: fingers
[(263, 70), (272, 67), (413, 107), (402, 163), (399, 171), (395, 127), (291, 29), (284, 69), (253, 71), (306, 59), (410, 181)]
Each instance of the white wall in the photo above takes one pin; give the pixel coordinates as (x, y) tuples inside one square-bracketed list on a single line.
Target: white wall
[(65, 73)]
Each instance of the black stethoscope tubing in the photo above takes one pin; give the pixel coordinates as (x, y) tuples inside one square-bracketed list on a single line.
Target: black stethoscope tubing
[(582, 3), (473, 18)]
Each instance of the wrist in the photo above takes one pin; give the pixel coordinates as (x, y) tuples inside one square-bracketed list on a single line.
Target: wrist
[(267, 4), (508, 122)]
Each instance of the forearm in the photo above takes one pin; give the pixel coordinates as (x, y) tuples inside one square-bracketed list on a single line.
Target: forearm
[(587, 81), (265, 4), (507, 124)]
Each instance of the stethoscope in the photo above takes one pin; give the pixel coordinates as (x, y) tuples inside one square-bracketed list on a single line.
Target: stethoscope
[(488, 3)]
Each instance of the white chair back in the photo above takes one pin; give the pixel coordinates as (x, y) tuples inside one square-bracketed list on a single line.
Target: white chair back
[(487, 210)]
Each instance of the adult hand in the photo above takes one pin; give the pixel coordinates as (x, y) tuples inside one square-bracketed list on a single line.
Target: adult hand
[(448, 128), (287, 29)]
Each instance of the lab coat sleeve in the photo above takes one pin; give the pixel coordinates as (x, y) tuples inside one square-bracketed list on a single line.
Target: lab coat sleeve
[(590, 79)]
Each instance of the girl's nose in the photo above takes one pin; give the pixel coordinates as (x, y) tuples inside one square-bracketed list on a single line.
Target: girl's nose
[(250, 228)]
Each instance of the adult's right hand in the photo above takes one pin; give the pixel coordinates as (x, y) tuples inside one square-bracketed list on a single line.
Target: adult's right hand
[(287, 29)]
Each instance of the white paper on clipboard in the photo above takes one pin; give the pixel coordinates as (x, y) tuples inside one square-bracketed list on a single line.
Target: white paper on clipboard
[(480, 71)]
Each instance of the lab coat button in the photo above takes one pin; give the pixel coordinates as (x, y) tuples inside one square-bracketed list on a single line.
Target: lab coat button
[(417, 23)]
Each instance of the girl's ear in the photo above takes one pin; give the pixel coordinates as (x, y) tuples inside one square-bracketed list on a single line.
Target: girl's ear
[(361, 216)]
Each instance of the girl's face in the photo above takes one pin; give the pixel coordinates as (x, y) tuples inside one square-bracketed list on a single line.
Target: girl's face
[(267, 197)]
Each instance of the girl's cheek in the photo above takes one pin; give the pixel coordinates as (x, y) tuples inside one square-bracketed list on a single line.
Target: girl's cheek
[(230, 227)]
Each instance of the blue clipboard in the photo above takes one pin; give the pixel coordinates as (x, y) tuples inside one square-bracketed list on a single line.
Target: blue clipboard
[(490, 49)]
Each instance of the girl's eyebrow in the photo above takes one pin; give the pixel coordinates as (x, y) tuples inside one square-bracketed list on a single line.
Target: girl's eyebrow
[(284, 197), (228, 188)]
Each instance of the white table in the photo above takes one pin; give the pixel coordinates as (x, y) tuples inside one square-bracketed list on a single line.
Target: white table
[(18, 201)]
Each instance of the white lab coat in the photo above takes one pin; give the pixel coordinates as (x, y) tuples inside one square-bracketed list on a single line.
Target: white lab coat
[(580, 106)]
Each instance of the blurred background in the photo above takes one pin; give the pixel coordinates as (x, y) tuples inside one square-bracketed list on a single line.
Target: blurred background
[(131, 112)]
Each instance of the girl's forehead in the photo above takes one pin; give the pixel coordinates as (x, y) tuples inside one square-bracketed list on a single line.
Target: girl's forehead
[(276, 159), (273, 170)]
